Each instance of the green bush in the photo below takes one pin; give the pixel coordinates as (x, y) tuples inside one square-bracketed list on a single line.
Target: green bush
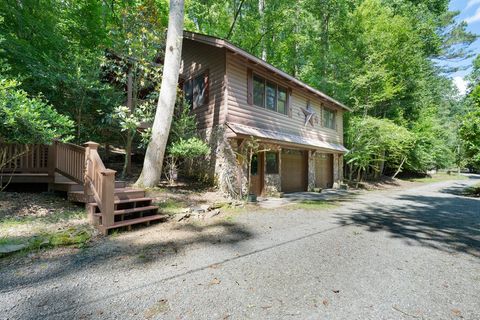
[(24, 119)]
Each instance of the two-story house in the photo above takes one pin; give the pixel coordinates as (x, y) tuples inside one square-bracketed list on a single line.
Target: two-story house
[(235, 96)]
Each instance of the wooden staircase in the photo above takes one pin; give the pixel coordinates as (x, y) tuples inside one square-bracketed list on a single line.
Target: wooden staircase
[(81, 174)]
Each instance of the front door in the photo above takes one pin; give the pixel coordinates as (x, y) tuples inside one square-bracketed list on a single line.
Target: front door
[(257, 174)]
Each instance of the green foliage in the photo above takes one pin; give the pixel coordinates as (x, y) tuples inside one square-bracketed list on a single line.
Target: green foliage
[(29, 120), (184, 124), (377, 56), (183, 144), (469, 131), (188, 149), (374, 141)]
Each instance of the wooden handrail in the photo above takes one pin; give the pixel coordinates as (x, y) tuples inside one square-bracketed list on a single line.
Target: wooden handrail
[(99, 182)]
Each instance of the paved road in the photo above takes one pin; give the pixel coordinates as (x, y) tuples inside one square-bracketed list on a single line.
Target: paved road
[(411, 254)]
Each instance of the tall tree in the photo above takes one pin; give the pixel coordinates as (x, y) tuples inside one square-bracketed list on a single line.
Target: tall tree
[(152, 165)]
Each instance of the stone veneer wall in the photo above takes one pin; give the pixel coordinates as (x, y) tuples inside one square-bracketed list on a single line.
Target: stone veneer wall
[(335, 171), (220, 166), (340, 168), (311, 170), (273, 181)]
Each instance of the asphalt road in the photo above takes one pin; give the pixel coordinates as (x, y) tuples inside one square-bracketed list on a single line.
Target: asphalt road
[(411, 254)]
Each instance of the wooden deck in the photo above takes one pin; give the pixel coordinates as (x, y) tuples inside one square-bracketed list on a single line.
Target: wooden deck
[(80, 173)]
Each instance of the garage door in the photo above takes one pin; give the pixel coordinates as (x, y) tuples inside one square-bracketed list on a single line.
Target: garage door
[(294, 171), (324, 170)]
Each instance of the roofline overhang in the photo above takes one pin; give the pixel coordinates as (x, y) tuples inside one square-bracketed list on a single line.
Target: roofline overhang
[(221, 43)]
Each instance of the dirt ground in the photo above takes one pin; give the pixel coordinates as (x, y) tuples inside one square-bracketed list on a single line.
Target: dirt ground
[(24, 215)]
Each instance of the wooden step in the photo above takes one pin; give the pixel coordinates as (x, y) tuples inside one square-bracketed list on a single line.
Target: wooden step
[(130, 222), (129, 193), (120, 194), (132, 200), (120, 184), (132, 210), (67, 186)]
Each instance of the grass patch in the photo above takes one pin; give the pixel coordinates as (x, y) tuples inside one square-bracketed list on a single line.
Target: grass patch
[(32, 222), (55, 217), (472, 191), (312, 205), (170, 206), (439, 177), (77, 236)]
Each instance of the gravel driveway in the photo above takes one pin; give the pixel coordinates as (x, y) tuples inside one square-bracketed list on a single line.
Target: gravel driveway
[(411, 254)]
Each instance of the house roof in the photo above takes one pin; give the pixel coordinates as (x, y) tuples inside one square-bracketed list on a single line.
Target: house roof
[(221, 43), (244, 130)]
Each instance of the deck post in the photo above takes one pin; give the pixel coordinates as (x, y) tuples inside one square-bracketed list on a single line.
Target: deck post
[(52, 163), (88, 172), (108, 194)]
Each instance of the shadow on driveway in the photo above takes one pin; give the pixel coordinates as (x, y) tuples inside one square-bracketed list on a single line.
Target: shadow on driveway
[(445, 222), (121, 254)]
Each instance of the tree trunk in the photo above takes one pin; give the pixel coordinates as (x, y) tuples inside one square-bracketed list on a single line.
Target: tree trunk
[(261, 11), (399, 167), (152, 165), (127, 165), (359, 176)]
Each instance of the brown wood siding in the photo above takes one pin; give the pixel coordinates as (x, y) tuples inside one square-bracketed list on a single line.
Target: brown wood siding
[(324, 170), (197, 58), (293, 171), (239, 110)]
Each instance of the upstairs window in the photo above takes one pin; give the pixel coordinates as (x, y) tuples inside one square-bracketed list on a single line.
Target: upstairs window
[(269, 95), (196, 90), (258, 91), (329, 118)]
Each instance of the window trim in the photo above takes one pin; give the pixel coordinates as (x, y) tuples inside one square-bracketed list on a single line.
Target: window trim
[(206, 74), (334, 112), (277, 162), (251, 95)]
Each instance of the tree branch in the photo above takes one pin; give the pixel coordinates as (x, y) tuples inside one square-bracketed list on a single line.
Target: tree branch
[(235, 19)]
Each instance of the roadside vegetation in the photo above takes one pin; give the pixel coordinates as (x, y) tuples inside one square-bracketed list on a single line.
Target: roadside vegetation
[(438, 177)]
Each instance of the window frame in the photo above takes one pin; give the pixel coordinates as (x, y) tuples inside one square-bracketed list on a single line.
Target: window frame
[(334, 118), (277, 163), (205, 74), (253, 77)]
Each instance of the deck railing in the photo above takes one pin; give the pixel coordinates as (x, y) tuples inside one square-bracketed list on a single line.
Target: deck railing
[(80, 164), (99, 183), (69, 160), (24, 158)]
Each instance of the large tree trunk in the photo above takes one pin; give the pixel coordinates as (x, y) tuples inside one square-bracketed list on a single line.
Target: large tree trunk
[(127, 164), (152, 165)]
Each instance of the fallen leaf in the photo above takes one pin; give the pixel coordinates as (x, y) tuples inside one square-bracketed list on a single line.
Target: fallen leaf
[(325, 302), (336, 291), (161, 306), (457, 313), (215, 281)]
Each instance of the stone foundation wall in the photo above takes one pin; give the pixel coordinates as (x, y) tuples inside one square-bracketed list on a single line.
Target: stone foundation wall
[(273, 184), (220, 166), (229, 171), (311, 171)]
